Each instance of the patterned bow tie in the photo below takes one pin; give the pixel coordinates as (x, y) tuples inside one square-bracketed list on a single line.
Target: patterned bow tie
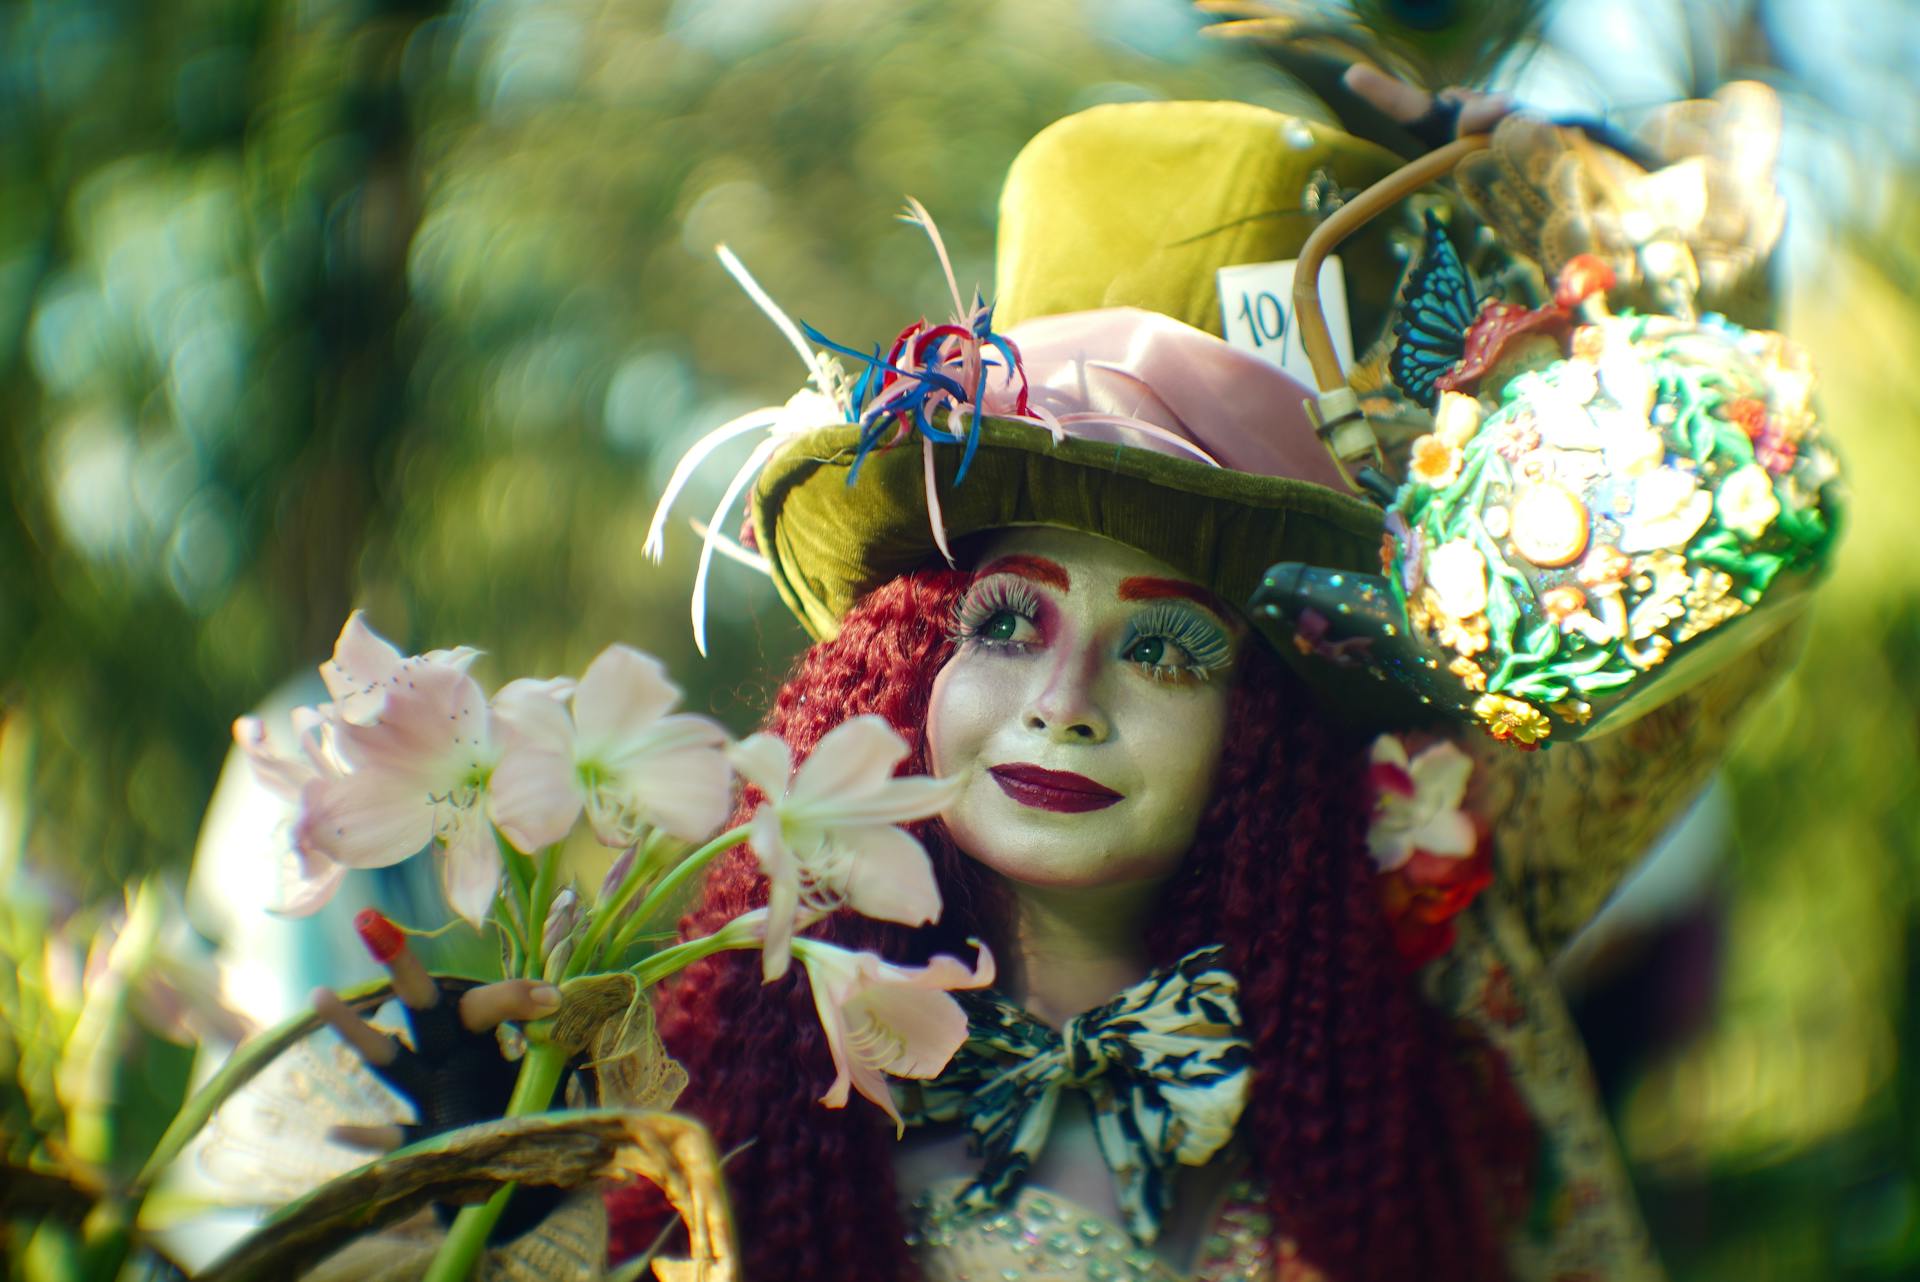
[(1162, 1064)]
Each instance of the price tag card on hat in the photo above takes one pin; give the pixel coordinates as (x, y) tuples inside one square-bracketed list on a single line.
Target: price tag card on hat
[(1256, 311)]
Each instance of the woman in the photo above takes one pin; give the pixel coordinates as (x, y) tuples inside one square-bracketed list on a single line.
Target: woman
[(1234, 799), (1146, 779), (1252, 1020)]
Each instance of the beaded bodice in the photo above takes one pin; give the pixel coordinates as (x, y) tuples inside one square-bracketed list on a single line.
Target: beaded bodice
[(1040, 1235)]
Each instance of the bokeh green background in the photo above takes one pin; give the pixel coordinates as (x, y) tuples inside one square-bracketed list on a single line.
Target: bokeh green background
[(315, 304)]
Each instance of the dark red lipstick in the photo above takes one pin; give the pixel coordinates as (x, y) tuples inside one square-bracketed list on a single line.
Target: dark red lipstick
[(1052, 789)]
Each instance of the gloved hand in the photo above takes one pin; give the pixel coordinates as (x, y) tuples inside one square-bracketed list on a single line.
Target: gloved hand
[(453, 1073)]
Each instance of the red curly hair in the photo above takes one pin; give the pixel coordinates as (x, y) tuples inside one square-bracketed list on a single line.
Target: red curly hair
[(1386, 1151)]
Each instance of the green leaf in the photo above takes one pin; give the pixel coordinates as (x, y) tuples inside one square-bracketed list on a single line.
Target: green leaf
[(1729, 439), (1502, 614), (149, 1085), (1700, 435), (1460, 500), (1761, 567), (1585, 665), (1542, 642), (1593, 682), (1548, 687), (1806, 527), (1718, 541)]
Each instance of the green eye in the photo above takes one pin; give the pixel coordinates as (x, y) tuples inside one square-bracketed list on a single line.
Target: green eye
[(1170, 642), (1001, 627), (1000, 613)]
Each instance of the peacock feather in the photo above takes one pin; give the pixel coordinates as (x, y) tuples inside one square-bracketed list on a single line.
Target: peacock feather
[(1429, 43)]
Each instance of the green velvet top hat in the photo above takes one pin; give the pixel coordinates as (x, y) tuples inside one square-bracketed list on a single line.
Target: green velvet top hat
[(1113, 224)]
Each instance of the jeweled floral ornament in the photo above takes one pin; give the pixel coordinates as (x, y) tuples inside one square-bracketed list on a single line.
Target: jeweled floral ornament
[(1604, 488)]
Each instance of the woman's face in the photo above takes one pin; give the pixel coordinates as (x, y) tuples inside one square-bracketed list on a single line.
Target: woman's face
[(1084, 706)]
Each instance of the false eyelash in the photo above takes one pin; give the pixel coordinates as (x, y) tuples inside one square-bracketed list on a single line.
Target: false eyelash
[(1204, 642), (1000, 594)]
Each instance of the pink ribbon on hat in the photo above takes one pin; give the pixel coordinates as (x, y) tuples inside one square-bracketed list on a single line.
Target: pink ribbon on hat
[(1093, 370)]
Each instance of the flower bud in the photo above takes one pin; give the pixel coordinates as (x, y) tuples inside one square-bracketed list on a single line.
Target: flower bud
[(617, 875), (557, 960), (561, 919)]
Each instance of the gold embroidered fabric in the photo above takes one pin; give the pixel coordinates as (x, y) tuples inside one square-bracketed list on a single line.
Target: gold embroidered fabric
[(1040, 1235)]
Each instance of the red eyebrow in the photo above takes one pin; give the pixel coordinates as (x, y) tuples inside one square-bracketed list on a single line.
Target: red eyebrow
[(1147, 588), (1037, 568)]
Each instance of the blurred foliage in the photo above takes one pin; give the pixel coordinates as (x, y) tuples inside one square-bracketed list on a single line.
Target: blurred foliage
[(312, 305), (309, 304), (1790, 1133), (101, 1013)]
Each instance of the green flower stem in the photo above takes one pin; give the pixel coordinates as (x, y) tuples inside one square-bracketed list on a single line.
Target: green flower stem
[(540, 1072), (503, 918), (668, 960), (669, 885), (546, 872), (544, 1064)]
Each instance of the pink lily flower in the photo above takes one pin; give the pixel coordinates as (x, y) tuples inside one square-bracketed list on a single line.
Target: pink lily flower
[(308, 877), (826, 835), (365, 666), (619, 757), (416, 775), (883, 1019), (1417, 803)]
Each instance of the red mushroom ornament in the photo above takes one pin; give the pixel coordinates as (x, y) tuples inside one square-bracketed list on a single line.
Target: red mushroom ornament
[(1506, 340)]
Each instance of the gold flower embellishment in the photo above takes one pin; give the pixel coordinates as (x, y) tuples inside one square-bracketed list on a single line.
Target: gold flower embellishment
[(1434, 463), (1436, 457), (1513, 721)]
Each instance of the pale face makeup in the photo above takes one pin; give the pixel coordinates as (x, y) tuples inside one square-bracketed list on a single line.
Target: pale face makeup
[(1084, 706)]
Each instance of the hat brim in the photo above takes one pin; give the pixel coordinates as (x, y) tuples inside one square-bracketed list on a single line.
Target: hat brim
[(829, 542)]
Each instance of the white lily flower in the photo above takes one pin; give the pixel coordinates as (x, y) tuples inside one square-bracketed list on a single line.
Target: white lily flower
[(418, 774), (308, 878), (1417, 803), (619, 756), (826, 835), (365, 666), (883, 1019)]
